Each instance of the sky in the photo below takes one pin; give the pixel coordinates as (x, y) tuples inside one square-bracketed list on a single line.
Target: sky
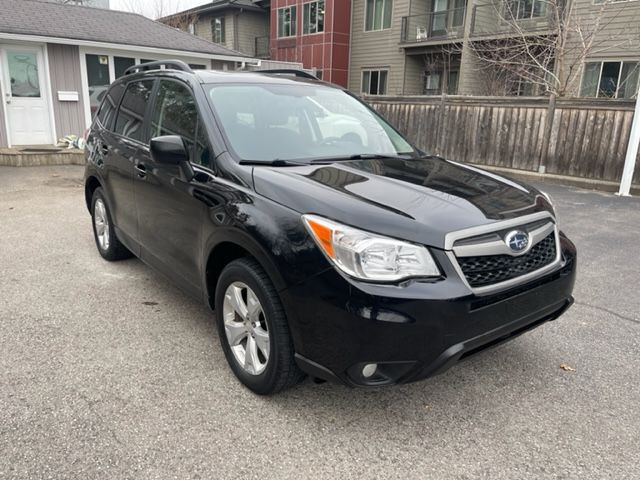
[(151, 7)]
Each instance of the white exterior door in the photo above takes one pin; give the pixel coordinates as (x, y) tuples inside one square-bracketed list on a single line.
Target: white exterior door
[(25, 95)]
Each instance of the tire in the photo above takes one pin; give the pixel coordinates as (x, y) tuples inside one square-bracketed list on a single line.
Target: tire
[(263, 375), (109, 246)]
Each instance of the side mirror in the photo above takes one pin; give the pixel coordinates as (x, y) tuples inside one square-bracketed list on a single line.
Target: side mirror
[(171, 150), (168, 150)]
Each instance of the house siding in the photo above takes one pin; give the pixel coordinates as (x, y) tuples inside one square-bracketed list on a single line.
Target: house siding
[(251, 25), (64, 74), (377, 50), (241, 28), (619, 40)]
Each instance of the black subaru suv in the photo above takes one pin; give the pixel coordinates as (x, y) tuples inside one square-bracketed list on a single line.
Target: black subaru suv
[(325, 242)]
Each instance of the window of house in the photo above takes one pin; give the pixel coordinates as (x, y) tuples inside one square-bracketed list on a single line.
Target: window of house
[(121, 64), (313, 17), (374, 82), (98, 79), (610, 79), (378, 14), (287, 22), (192, 28), (522, 9), (218, 30), (130, 119), (452, 83), (434, 82)]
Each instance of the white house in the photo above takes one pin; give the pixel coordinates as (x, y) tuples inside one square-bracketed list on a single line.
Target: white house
[(56, 61)]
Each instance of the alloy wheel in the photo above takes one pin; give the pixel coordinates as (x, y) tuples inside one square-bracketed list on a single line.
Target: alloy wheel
[(101, 222), (246, 328)]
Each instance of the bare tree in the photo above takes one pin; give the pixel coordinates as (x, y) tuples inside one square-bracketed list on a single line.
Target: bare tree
[(543, 43), (182, 21), (153, 8)]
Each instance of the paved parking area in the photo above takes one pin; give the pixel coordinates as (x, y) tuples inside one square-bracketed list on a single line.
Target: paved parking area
[(108, 371)]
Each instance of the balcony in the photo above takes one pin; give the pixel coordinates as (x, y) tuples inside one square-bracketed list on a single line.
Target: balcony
[(262, 47), (512, 17), (435, 27)]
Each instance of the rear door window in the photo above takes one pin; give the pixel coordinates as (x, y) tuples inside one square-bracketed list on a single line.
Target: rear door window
[(107, 111), (130, 119)]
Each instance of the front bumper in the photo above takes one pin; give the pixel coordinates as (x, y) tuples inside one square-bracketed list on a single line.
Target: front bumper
[(417, 330)]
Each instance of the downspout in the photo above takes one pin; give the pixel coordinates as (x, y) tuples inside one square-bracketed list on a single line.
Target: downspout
[(632, 153)]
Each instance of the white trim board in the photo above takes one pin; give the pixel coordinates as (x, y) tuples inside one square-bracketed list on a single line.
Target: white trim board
[(122, 47), (5, 115)]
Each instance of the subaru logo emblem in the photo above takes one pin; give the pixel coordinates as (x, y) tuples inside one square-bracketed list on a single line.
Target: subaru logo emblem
[(518, 241)]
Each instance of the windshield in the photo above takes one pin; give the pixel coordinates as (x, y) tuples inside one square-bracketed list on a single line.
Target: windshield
[(302, 122)]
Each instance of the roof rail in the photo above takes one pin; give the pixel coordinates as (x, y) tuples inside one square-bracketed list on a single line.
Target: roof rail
[(168, 64), (288, 71)]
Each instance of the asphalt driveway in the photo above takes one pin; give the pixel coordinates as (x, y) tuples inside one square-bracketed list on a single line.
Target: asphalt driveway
[(108, 371)]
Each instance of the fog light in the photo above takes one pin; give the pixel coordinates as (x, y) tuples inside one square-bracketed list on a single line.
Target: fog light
[(369, 370)]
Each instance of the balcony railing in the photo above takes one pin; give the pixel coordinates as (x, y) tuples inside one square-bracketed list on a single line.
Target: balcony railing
[(512, 17), (262, 47), (443, 25)]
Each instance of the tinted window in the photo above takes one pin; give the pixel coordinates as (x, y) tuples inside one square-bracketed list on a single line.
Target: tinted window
[(202, 153), (131, 114), (107, 111), (301, 122), (174, 113)]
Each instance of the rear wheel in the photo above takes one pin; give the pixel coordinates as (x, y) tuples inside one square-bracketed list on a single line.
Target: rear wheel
[(253, 329), (103, 231)]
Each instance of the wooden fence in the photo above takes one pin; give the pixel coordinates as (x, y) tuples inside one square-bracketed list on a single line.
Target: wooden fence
[(587, 138)]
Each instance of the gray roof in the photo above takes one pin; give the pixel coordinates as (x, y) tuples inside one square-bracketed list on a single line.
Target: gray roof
[(35, 17), (217, 5)]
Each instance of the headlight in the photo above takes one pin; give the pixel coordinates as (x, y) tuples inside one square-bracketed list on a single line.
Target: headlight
[(368, 256)]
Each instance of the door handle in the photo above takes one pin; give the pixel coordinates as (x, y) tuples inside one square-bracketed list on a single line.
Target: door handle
[(141, 169)]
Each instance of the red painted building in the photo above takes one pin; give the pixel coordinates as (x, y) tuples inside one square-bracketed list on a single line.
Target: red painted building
[(314, 32)]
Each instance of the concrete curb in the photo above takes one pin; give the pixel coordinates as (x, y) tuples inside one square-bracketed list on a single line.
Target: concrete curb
[(586, 183), (22, 158)]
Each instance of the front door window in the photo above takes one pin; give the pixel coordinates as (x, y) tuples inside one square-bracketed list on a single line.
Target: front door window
[(23, 74)]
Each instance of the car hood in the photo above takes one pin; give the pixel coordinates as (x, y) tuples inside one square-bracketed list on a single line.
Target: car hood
[(419, 200)]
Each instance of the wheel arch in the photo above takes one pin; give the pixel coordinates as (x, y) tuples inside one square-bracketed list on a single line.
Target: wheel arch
[(231, 246), (90, 185)]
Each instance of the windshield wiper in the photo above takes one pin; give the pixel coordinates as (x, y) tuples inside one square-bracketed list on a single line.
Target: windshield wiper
[(360, 156), (273, 163)]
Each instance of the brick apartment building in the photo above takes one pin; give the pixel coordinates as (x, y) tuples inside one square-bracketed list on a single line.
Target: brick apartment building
[(395, 47), (315, 33)]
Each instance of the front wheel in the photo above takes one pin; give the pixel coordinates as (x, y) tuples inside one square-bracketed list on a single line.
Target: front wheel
[(253, 329)]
